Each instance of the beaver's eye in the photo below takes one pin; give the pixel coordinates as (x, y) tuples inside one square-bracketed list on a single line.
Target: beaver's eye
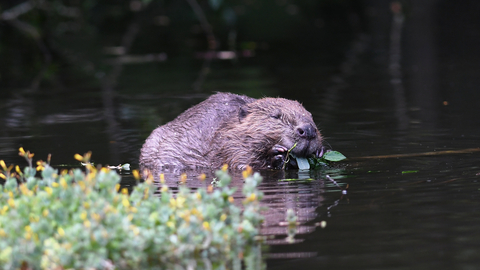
[(276, 114)]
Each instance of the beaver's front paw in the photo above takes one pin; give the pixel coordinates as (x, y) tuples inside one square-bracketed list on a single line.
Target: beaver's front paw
[(278, 155)]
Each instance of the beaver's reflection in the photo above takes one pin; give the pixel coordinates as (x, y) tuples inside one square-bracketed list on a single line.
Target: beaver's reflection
[(310, 195)]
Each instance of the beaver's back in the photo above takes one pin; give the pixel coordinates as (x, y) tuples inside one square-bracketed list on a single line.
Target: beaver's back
[(184, 141)]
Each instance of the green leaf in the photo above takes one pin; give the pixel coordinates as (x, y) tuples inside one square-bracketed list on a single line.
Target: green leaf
[(334, 156), (303, 163)]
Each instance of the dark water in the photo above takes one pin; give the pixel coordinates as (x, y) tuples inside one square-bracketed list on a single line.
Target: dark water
[(415, 212)]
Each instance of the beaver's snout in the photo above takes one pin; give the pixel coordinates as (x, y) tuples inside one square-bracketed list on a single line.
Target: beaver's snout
[(306, 131)]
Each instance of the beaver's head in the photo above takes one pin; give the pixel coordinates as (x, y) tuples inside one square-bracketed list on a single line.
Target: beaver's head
[(268, 122)]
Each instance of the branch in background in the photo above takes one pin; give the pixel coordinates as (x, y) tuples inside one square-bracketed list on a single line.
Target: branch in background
[(35, 34), (26, 28), (212, 43), (17, 10), (11, 16)]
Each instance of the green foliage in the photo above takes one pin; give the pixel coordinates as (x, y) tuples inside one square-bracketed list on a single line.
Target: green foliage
[(329, 156), (79, 220), (333, 156)]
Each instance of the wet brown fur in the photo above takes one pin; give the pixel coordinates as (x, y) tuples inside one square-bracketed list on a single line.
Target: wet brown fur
[(230, 129)]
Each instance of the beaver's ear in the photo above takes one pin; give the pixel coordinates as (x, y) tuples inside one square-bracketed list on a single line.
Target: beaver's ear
[(242, 112)]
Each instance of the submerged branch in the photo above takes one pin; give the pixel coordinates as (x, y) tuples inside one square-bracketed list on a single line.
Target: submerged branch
[(435, 153)]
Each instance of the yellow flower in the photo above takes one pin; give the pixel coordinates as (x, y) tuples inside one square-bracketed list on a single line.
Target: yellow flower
[(173, 203), (25, 191), (136, 174), (145, 196), (63, 183), (206, 225), (40, 166), (202, 177), (135, 229), (86, 205), (125, 202), (87, 223), (125, 191), (45, 212), (78, 157), (17, 168), (60, 231), (180, 201), (198, 195), (196, 212), (33, 219), (133, 209), (55, 184), (67, 245), (2, 233), (251, 198), (88, 155), (10, 194), (117, 187), (3, 210), (225, 167), (170, 224), (183, 178), (48, 190), (83, 215), (3, 176), (149, 179), (4, 166), (230, 199), (81, 184), (247, 172), (164, 188), (11, 203), (21, 152), (223, 217), (96, 216), (162, 178)]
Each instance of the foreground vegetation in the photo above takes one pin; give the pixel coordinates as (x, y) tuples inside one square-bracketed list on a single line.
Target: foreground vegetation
[(80, 219)]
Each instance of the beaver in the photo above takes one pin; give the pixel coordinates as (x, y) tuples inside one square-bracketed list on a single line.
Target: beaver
[(236, 130)]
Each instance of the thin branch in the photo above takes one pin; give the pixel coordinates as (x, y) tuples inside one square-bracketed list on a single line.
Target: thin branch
[(17, 10), (212, 43)]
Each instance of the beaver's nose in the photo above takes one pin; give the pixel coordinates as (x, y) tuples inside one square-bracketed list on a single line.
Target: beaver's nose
[(306, 131)]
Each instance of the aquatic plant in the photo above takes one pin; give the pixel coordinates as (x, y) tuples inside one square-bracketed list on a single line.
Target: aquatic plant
[(82, 219)]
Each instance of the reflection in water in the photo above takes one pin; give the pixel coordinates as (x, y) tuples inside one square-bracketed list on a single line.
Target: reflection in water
[(396, 68), (421, 47), (302, 191)]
